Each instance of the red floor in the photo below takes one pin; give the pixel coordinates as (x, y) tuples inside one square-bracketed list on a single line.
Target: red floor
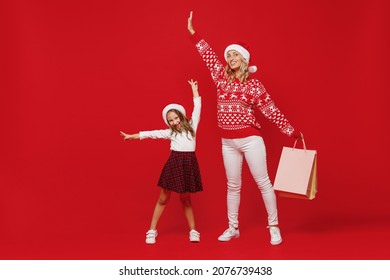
[(326, 235)]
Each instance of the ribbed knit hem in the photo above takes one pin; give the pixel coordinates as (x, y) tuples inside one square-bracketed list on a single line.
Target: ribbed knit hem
[(239, 133)]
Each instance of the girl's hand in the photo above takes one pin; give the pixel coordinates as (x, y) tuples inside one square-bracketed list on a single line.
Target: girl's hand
[(189, 25), (194, 86), (129, 136)]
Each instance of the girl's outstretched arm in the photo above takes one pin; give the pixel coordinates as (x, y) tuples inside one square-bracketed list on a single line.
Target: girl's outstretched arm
[(129, 136), (194, 86)]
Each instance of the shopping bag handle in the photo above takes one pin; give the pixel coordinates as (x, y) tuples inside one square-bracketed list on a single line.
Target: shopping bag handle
[(303, 142)]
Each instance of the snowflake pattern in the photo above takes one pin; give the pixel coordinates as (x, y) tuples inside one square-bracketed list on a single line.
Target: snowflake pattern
[(237, 102)]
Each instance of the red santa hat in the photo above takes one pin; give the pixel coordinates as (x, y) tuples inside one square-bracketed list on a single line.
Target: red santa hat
[(244, 52)]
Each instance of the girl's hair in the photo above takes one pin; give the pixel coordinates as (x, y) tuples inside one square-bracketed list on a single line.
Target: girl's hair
[(185, 124), (243, 71)]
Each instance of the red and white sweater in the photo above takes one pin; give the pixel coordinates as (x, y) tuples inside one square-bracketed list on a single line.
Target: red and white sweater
[(237, 102)]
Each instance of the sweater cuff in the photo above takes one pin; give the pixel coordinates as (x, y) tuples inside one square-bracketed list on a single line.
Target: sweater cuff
[(141, 135), (195, 38)]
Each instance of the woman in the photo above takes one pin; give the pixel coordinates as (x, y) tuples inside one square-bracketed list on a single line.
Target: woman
[(238, 97)]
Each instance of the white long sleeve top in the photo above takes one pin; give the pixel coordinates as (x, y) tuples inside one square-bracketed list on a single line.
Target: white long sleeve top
[(180, 142)]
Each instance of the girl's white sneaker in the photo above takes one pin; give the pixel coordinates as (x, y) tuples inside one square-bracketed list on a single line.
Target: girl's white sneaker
[(194, 236), (151, 236)]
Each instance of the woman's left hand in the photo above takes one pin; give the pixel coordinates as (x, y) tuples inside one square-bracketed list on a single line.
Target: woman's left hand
[(297, 134)]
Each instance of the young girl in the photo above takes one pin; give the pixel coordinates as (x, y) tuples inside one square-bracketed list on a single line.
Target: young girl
[(181, 172), (238, 98)]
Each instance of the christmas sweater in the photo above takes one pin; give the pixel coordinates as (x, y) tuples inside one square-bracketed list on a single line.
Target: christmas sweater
[(237, 102), (180, 142)]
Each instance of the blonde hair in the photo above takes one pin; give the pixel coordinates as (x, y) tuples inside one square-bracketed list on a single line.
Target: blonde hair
[(185, 124), (243, 71)]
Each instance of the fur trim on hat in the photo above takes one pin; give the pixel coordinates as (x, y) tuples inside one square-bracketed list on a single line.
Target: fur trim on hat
[(170, 107)]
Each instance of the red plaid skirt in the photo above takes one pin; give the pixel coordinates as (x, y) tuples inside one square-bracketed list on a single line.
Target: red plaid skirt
[(181, 173)]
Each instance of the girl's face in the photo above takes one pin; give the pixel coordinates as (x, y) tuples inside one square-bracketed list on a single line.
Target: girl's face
[(173, 119), (234, 60)]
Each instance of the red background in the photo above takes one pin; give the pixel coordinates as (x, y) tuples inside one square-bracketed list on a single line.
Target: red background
[(75, 73)]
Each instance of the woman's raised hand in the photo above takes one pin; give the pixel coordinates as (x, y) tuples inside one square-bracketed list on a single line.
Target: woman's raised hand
[(189, 26)]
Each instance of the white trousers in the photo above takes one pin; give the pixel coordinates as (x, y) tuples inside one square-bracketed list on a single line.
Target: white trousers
[(253, 149)]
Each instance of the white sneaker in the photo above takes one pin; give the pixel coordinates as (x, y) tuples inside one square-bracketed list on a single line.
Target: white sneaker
[(276, 238), (194, 236), (229, 234), (151, 236)]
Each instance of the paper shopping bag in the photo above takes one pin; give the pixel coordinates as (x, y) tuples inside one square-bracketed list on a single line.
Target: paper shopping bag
[(296, 176)]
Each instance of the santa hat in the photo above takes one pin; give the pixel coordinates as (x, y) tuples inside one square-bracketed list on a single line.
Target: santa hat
[(170, 107), (244, 52)]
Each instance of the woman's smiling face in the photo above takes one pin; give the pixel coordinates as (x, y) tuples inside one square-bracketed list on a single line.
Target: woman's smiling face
[(234, 59)]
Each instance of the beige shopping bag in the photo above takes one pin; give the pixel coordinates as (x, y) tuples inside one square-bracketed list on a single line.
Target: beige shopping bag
[(296, 175)]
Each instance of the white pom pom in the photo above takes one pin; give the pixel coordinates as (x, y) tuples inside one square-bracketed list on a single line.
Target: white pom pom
[(252, 69)]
